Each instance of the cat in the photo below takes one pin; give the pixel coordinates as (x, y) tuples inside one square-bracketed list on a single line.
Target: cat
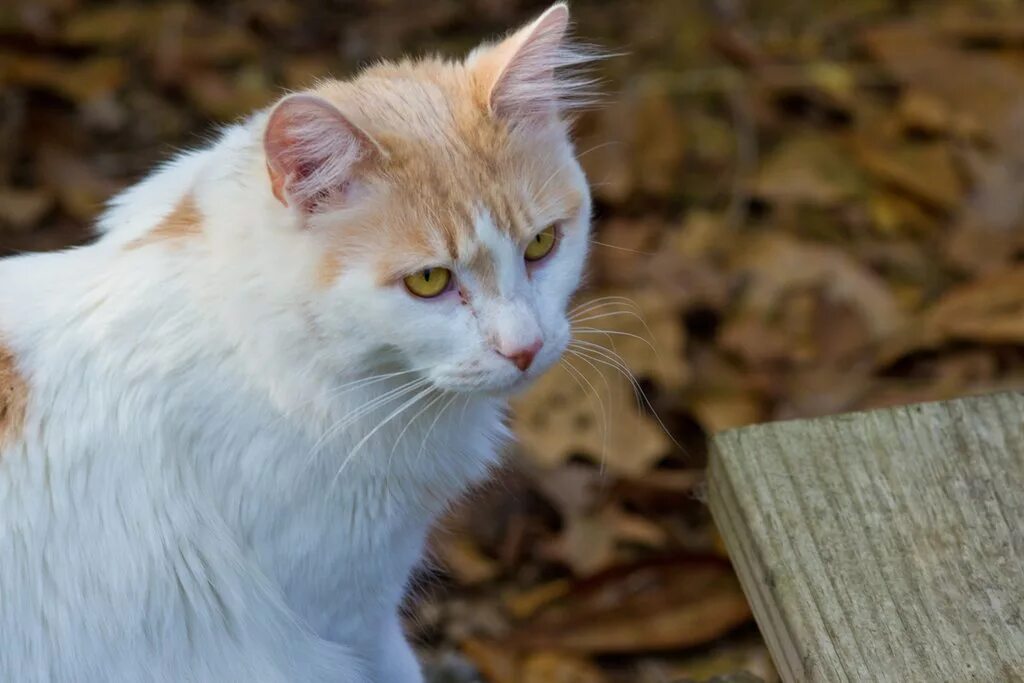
[(228, 423)]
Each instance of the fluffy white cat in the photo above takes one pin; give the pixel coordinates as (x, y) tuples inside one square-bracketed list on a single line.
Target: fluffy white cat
[(228, 424)]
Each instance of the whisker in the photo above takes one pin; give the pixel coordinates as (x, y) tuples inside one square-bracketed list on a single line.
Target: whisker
[(426, 437), (359, 383), (615, 361), (395, 413), (422, 410), (594, 315), (594, 330), (578, 157), (614, 306), (362, 411), (593, 303), (626, 249), (606, 423)]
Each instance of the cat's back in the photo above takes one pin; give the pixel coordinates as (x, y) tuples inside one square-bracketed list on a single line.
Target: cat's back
[(37, 292)]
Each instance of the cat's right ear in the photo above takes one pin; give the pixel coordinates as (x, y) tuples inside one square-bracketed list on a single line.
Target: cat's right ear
[(313, 151)]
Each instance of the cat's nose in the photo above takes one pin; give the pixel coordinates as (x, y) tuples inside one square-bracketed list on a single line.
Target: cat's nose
[(522, 356)]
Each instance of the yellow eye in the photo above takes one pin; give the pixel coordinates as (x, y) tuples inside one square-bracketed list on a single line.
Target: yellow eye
[(541, 245), (428, 282)]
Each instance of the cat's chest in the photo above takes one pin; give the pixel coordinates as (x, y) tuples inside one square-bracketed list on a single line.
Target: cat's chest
[(339, 522)]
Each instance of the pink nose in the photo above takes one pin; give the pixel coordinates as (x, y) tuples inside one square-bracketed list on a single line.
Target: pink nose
[(523, 356)]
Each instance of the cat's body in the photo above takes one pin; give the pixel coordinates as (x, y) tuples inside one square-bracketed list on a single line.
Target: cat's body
[(200, 474)]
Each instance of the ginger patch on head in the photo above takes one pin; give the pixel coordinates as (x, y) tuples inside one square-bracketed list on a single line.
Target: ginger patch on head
[(13, 398), (184, 221)]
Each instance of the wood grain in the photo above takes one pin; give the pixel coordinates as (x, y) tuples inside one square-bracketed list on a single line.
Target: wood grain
[(882, 546)]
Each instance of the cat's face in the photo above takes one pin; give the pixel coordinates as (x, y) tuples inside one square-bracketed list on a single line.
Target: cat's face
[(451, 213)]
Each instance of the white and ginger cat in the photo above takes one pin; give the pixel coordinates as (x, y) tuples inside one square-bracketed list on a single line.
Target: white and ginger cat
[(227, 424)]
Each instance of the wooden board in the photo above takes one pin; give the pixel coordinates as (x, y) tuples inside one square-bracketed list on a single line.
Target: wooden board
[(882, 546)]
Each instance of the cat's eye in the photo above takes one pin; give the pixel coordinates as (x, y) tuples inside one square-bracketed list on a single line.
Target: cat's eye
[(429, 282), (541, 244)]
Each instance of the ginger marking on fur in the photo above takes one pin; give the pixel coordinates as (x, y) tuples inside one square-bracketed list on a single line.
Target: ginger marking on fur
[(328, 270), (184, 221), (13, 398)]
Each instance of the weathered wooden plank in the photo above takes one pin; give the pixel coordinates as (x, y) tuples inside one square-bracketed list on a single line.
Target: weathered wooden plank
[(882, 546)]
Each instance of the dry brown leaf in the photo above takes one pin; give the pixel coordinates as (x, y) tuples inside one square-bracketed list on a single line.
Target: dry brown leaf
[(500, 664), (989, 310), (81, 190), (895, 215), (226, 98), (459, 555), (79, 80), (925, 171), (652, 606), (747, 661), (105, 26), (587, 544), (972, 83), (522, 604), (642, 328), (562, 416), (23, 209), (591, 408), (923, 112), (620, 251), (812, 168), (776, 265), (717, 411), (557, 667), (497, 662)]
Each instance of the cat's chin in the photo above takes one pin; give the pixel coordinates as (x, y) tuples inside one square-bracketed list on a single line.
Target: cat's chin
[(505, 389)]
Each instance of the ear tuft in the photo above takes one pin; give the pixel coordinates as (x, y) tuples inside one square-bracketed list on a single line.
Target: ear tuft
[(535, 70), (312, 151)]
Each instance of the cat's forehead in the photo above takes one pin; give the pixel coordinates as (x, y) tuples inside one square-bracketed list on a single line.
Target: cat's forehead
[(462, 186)]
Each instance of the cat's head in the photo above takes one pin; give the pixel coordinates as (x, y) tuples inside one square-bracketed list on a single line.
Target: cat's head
[(450, 212)]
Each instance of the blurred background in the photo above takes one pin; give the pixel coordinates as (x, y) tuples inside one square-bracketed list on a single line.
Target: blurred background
[(804, 206)]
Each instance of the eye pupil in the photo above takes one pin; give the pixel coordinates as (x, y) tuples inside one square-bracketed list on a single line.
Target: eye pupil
[(429, 282)]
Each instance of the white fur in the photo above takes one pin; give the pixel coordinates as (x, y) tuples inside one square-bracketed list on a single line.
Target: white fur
[(200, 491), (183, 505)]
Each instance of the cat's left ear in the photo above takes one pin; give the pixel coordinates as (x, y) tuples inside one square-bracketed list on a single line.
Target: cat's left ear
[(524, 75), (313, 151)]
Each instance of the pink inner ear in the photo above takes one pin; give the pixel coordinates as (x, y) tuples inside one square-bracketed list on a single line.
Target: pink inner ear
[(528, 82), (312, 150)]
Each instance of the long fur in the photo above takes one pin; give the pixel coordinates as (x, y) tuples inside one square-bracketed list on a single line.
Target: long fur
[(235, 425)]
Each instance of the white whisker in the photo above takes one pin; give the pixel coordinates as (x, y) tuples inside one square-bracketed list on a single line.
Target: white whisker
[(362, 411), (426, 437), (602, 301), (595, 330), (626, 249), (606, 424), (600, 354), (395, 413)]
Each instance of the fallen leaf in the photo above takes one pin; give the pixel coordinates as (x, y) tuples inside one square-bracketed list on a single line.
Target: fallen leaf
[(523, 603), (496, 662), (974, 84), (557, 667), (650, 606), (461, 557), (79, 80), (80, 189), (23, 209), (812, 168), (989, 310), (925, 171)]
